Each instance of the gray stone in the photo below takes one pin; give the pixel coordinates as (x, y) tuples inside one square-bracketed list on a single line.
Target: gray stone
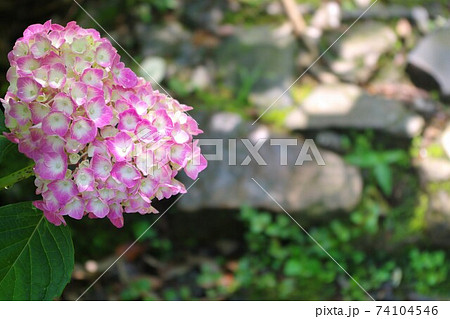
[(421, 17), (327, 16), (434, 169), (432, 55), (348, 106), (438, 217), (310, 189), (201, 77), (261, 58), (330, 140), (204, 14), (359, 50), (163, 40), (153, 69), (445, 140)]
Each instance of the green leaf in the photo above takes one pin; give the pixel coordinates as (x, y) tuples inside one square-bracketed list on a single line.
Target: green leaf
[(14, 166), (5, 147), (293, 267), (363, 159), (394, 156), (383, 176), (15, 177), (36, 257), (2, 123)]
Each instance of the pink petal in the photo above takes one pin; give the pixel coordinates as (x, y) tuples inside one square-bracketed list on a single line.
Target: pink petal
[(57, 76), (101, 167), (115, 215), (126, 174), (111, 183), (148, 187), (78, 92), (80, 65), (93, 77), (51, 203), (192, 168), (20, 49), (145, 162), (41, 75), (63, 103), (54, 218), (79, 45), (99, 112), (97, 207), (127, 78), (162, 122), (38, 112), (98, 147), (20, 111), (84, 179), (105, 54), (74, 208), (63, 190), (52, 144), (27, 64), (83, 130), (55, 123), (120, 146), (180, 154), (179, 135), (41, 47), (128, 120), (27, 89), (52, 166), (146, 132)]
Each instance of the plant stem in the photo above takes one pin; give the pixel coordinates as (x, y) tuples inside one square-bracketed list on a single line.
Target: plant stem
[(9, 180)]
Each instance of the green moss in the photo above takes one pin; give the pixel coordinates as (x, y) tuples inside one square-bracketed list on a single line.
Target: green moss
[(438, 186), (301, 92), (414, 150), (278, 117), (417, 222), (435, 150)]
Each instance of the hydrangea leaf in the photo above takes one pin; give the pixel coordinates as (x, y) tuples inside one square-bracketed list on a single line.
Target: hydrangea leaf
[(2, 123), (37, 258), (14, 166)]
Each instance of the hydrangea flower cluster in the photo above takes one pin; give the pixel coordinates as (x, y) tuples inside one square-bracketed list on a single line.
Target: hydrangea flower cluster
[(103, 141)]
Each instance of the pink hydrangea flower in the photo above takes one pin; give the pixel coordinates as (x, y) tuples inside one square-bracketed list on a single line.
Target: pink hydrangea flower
[(103, 141)]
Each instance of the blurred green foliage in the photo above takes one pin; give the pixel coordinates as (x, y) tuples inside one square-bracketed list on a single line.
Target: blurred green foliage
[(284, 263), (380, 162)]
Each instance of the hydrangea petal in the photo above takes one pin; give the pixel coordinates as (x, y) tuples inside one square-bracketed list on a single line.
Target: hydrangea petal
[(63, 190), (57, 76), (128, 120), (101, 167), (105, 54), (63, 103), (99, 112), (74, 208), (97, 207), (83, 130), (126, 174), (120, 146), (55, 123), (85, 179), (51, 166), (27, 89)]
